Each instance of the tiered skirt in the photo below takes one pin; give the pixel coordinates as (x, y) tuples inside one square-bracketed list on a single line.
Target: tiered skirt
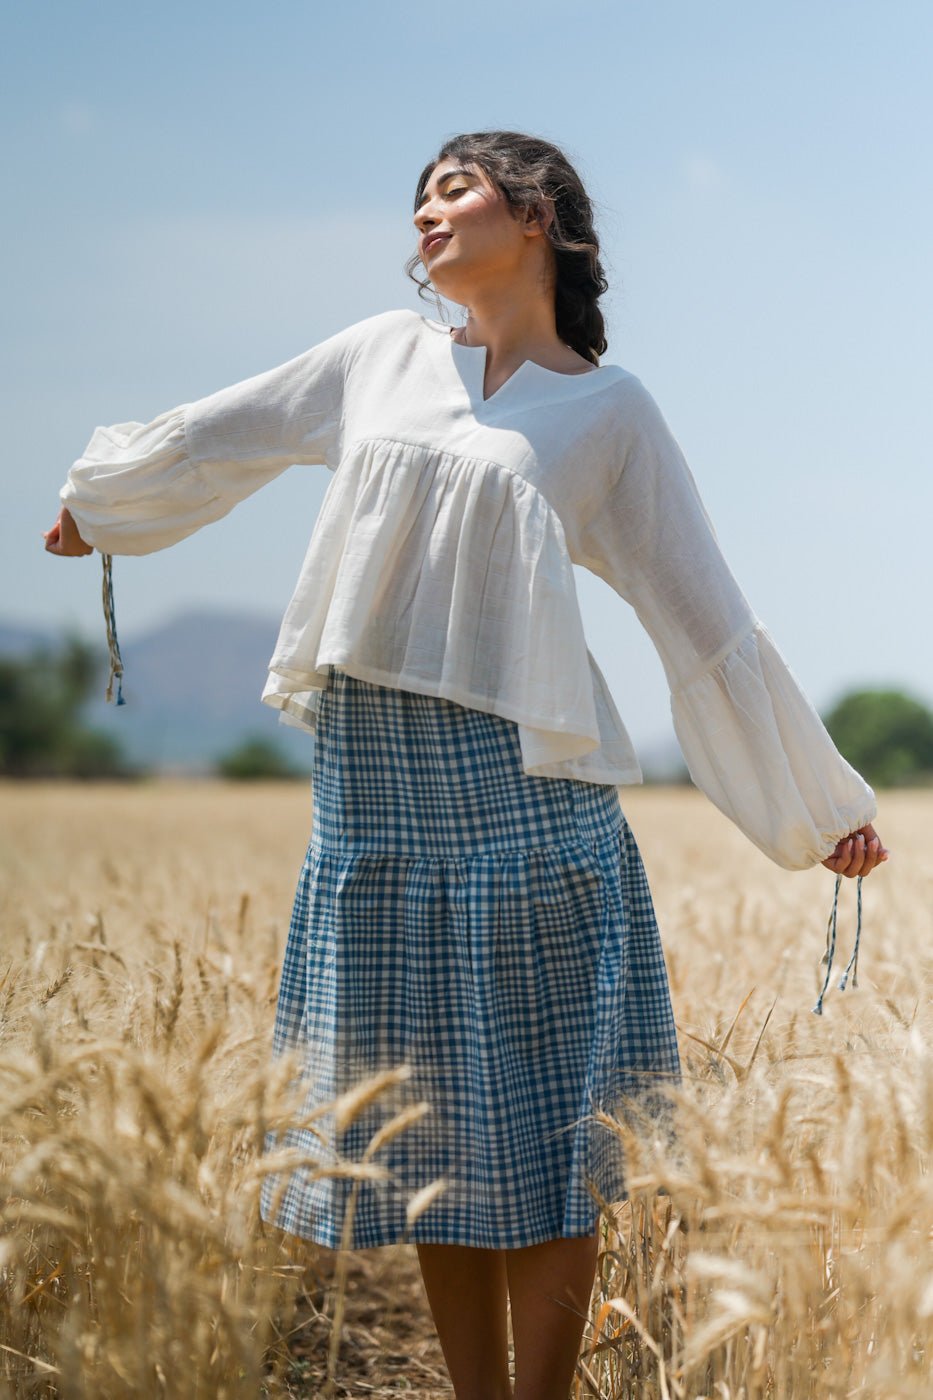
[(494, 934)]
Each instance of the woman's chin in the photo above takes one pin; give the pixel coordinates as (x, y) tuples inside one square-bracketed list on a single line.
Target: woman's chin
[(452, 288)]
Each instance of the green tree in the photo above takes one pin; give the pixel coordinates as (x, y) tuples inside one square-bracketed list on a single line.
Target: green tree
[(886, 734), (256, 757), (41, 731)]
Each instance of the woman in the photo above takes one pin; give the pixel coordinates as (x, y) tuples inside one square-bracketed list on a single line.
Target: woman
[(473, 903)]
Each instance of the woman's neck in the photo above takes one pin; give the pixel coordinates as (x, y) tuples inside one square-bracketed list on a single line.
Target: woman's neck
[(514, 333)]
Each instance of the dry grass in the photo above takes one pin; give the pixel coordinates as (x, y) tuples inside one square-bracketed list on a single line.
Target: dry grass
[(141, 942)]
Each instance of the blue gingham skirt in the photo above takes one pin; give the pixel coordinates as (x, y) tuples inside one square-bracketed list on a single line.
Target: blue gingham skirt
[(494, 933)]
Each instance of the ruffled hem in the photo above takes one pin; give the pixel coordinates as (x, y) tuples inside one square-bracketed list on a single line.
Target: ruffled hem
[(546, 753)]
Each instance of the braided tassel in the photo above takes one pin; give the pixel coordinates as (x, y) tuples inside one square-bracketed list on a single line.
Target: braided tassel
[(830, 953), (828, 956), (113, 646), (853, 961)]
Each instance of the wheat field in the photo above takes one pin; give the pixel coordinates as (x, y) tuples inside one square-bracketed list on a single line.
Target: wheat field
[(788, 1255)]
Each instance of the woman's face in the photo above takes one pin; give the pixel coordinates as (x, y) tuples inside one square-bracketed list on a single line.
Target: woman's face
[(480, 240)]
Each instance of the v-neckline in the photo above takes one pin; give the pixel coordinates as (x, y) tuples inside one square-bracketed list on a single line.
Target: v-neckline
[(484, 351), (469, 361)]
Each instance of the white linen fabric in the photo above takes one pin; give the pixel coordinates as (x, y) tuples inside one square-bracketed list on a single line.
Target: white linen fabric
[(441, 560)]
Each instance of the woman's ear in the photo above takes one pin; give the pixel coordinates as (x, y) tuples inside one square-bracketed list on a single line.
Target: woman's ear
[(538, 217)]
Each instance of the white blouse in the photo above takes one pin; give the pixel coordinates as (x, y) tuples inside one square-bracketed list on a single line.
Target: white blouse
[(441, 560)]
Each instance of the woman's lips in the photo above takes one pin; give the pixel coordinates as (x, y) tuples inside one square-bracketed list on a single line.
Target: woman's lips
[(436, 240)]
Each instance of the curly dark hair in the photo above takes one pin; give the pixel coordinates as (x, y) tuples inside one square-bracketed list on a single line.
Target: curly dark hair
[(534, 173)]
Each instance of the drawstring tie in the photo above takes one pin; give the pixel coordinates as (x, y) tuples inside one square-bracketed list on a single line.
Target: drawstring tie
[(113, 646), (828, 956)]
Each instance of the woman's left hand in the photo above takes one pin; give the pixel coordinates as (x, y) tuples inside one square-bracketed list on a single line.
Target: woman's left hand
[(857, 854)]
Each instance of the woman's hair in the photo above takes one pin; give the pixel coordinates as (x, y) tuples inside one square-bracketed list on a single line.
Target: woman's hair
[(531, 172)]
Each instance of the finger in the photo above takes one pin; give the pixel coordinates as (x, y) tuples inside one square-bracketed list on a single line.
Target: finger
[(852, 860), (861, 852), (881, 858), (871, 835), (877, 851), (870, 857), (861, 863), (840, 857), (839, 860)]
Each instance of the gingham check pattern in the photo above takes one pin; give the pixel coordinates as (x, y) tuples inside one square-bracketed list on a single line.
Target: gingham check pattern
[(494, 931)]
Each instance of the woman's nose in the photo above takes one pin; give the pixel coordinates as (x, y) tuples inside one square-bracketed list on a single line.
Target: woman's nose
[(425, 217)]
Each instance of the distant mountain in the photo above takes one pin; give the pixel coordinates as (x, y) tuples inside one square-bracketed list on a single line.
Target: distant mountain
[(192, 688)]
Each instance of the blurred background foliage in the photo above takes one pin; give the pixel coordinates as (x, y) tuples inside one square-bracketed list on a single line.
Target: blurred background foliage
[(42, 734), (885, 734), (256, 757)]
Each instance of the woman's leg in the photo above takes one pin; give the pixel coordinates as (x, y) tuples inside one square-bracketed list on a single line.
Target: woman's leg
[(550, 1286), (467, 1291)]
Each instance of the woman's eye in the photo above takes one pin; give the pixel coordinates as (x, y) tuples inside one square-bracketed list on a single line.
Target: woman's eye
[(461, 189)]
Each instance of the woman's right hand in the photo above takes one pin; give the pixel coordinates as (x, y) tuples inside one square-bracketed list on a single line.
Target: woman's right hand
[(63, 538), (857, 854)]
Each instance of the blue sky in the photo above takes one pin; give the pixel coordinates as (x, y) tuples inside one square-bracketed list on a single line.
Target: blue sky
[(204, 190)]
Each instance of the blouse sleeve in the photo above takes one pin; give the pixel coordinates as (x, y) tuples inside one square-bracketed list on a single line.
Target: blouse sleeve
[(751, 739), (139, 487)]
